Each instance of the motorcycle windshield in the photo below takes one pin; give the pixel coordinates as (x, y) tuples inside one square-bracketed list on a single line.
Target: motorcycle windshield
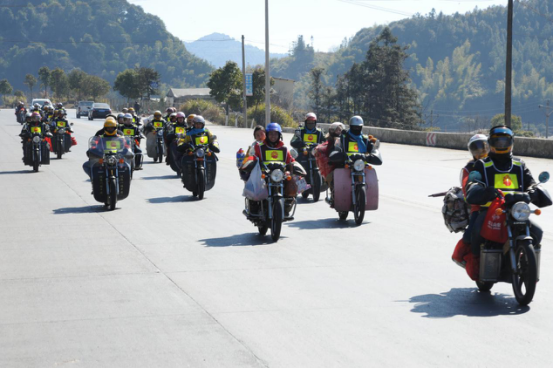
[(108, 145)]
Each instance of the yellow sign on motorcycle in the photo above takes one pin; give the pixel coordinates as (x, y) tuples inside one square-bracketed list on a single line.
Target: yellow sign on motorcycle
[(201, 140), (158, 124), (36, 130), (180, 130)]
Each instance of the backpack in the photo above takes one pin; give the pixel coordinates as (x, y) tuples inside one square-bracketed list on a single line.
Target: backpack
[(455, 210)]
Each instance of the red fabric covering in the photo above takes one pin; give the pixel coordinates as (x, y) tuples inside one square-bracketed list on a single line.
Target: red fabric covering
[(472, 266), (494, 228), (321, 154), (47, 139), (461, 250), (73, 141)]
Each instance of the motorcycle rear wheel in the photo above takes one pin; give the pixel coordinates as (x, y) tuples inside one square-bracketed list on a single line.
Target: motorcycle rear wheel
[(526, 277), (317, 186), (359, 206), (263, 229), (112, 194), (276, 222), (484, 286)]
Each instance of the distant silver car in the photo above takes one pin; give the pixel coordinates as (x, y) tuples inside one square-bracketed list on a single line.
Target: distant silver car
[(83, 107), (41, 101)]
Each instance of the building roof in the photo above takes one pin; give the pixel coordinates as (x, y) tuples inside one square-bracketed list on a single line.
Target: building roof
[(183, 92), (284, 79)]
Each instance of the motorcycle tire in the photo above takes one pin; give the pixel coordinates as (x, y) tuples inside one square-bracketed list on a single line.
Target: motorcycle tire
[(112, 194), (343, 215), (276, 222), (484, 286), (359, 206), (262, 229), (36, 163), (60, 150), (200, 185), (317, 187), (525, 278)]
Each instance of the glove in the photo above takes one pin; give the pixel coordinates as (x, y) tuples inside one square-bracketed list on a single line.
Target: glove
[(183, 147), (491, 193), (214, 148)]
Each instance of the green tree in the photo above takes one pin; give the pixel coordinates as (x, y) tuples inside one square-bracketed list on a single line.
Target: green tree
[(499, 119), (20, 94), (226, 85), (146, 78), (5, 88), (59, 83), (30, 81), (127, 84), (316, 91), (76, 79), (44, 76), (95, 86)]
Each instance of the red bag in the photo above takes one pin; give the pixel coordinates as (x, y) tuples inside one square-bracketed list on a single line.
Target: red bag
[(47, 139), (321, 154), (494, 228), (73, 141)]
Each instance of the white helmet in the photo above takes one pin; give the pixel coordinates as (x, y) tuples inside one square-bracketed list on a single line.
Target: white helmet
[(199, 119), (356, 121), (478, 146), (332, 128), (310, 116)]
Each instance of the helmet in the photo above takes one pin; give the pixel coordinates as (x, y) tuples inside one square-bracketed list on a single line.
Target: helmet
[(120, 116), (501, 140), (478, 146), (127, 116), (59, 105), (273, 127), (199, 119), (125, 110), (190, 118), (110, 126), (131, 110), (169, 110), (310, 116), (157, 114), (173, 115), (356, 121), (332, 128), (36, 105), (181, 114), (28, 115), (35, 116)]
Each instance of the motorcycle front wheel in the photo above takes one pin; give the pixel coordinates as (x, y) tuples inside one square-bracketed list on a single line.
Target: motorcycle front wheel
[(36, 163), (200, 184), (526, 276), (484, 286), (262, 229), (276, 222), (112, 194), (60, 149), (359, 206), (343, 215)]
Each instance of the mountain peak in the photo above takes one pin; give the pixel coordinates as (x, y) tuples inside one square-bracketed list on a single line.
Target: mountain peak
[(215, 36)]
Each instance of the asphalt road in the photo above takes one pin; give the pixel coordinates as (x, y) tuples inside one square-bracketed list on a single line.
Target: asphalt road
[(170, 281)]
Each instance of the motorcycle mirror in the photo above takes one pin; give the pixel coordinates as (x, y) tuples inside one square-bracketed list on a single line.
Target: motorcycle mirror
[(294, 153), (544, 177), (377, 144), (72, 123), (475, 176)]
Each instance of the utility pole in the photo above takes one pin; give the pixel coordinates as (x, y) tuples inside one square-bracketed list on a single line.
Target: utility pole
[(547, 115), (509, 71), (244, 81), (432, 118), (267, 72)]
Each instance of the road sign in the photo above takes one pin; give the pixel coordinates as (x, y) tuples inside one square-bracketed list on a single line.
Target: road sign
[(249, 84)]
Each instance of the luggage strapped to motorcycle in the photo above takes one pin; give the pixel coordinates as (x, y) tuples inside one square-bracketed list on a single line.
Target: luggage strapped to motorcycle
[(455, 210)]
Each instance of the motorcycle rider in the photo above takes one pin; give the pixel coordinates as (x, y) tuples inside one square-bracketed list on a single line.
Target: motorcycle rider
[(198, 135), (273, 150), (132, 131), (155, 121), (478, 147), (20, 106), (35, 124), (135, 117), (121, 119), (500, 171), (308, 134), (168, 112), (102, 131), (179, 127), (334, 133)]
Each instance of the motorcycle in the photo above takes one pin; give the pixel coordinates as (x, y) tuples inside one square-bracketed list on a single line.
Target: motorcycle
[(356, 186), (155, 142), (198, 170), (62, 140), (174, 155), (269, 211), (110, 169), (20, 115), (307, 159), (517, 260), (37, 150)]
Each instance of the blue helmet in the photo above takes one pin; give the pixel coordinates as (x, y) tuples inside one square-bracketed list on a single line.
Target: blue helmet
[(273, 127)]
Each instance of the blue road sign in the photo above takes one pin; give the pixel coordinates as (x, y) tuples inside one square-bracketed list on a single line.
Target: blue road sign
[(249, 84)]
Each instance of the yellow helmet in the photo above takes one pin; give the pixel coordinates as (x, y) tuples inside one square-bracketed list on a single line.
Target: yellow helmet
[(131, 109), (190, 118), (110, 126), (157, 114)]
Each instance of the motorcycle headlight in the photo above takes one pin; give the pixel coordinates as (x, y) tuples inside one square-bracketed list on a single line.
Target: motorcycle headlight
[(200, 153), (277, 176), (160, 132), (521, 211), (61, 131), (111, 160), (359, 165), (294, 153), (36, 139)]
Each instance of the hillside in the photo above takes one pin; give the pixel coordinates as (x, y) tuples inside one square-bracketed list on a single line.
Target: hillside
[(457, 62), (101, 37), (219, 48)]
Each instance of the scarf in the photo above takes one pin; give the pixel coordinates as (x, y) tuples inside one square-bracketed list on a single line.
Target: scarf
[(195, 131), (360, 142)]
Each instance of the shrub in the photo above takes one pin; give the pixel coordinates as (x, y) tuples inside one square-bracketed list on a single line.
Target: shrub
[(278, 115), (209, 110)]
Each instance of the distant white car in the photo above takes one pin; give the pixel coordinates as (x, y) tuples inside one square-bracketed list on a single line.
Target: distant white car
[(41, 101)]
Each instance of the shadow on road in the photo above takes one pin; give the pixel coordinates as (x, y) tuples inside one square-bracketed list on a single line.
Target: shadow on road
[(239, 240), (30, 170), (75, 210), (329, 223), (174, 176), (466, 302), (182, 198)]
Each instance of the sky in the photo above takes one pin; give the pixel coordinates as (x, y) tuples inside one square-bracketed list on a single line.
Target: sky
[(328, 21)]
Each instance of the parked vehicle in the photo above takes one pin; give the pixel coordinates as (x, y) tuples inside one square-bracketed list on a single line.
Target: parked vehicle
[(41, 101), (99, 110)]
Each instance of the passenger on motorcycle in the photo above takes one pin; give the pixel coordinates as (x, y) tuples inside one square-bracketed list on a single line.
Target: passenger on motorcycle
[(478, 147), (198, 135), (500, 171), (179, 128), (121, 119), (168, 112), (308, 134), (190, 122), (334, 133)]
